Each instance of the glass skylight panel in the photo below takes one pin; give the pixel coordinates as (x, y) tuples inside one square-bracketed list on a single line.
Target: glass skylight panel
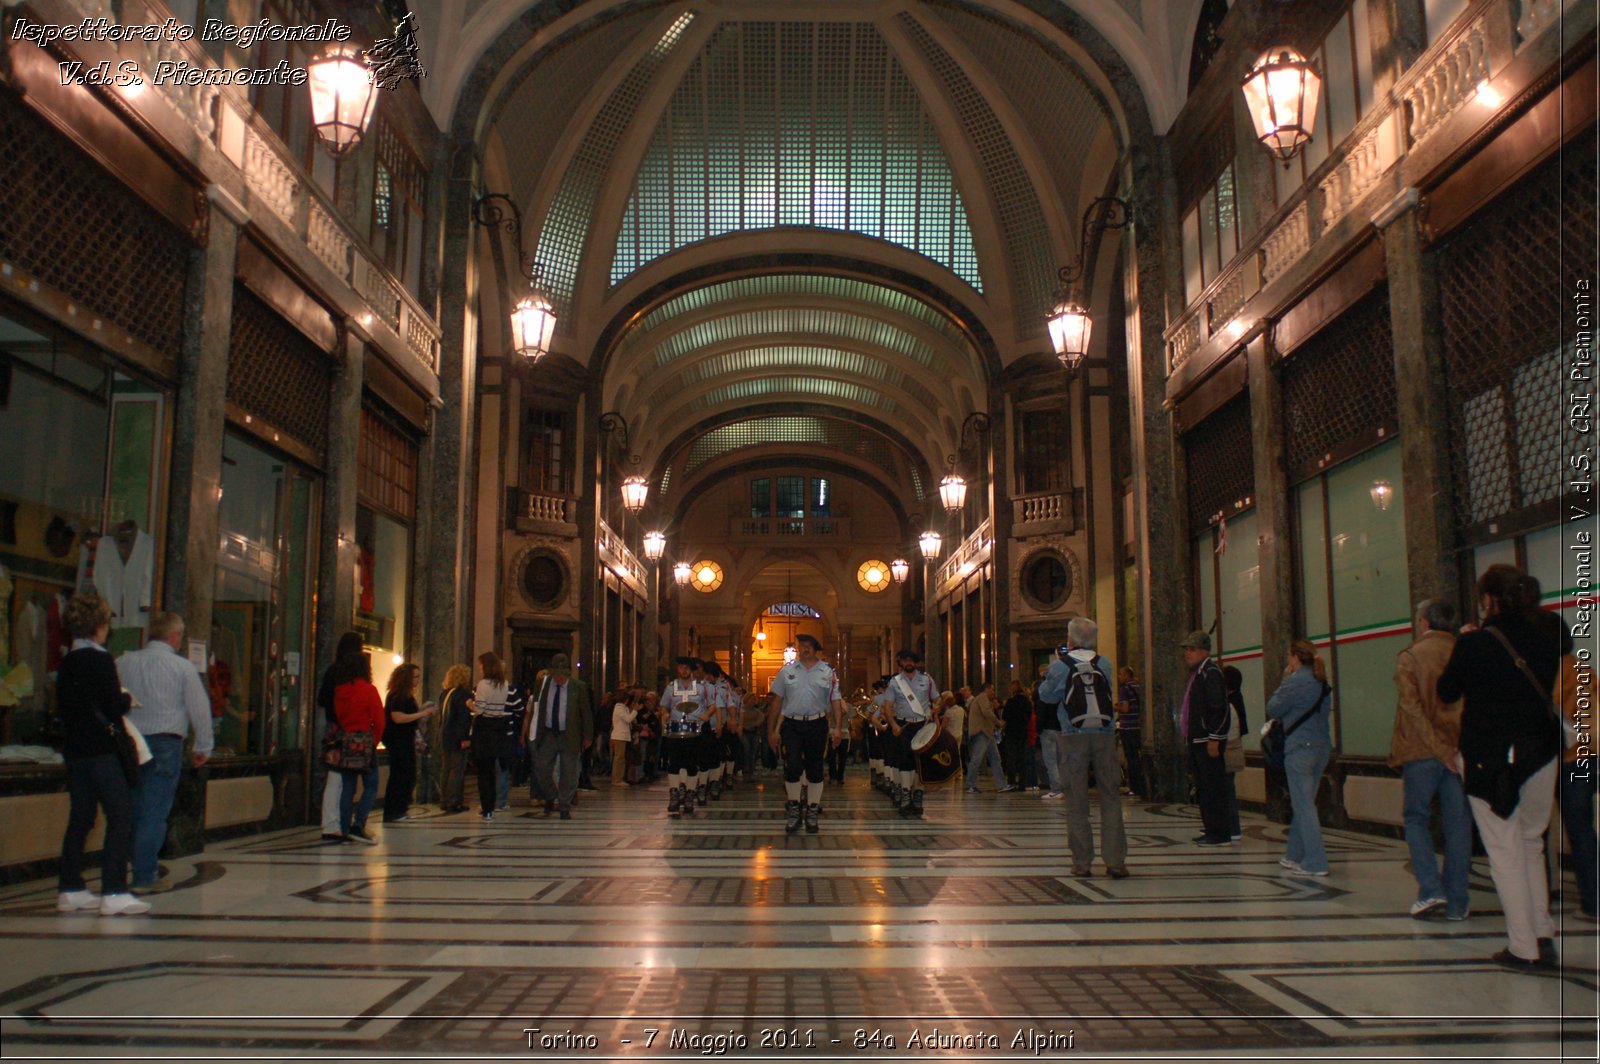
[(803, 124)]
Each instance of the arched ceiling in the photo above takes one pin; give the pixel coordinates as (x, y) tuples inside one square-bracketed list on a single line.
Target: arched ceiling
[(940, 150)]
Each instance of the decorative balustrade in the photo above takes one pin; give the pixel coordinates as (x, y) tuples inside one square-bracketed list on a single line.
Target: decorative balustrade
[(1448, 81), (327, 240), (1357, 173), (1231, 292), (1185, 339), (1048, 511), (790, 528), (1285, 244), (269, 175), (420, 332), (615, 555), (973, 552), (537, 506)]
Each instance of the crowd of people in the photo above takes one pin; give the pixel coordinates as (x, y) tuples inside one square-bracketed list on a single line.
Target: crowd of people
[(1492, 723)]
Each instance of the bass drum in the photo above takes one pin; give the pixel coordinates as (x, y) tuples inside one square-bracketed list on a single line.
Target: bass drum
[(940, 760)]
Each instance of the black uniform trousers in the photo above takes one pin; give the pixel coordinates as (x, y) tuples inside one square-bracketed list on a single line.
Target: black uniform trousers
[(1211, 790), (804, 744)]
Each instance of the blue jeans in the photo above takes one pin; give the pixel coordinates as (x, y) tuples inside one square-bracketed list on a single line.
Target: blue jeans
[(353, 814), (1577, 813), (1050, 749), (1422, 780), (984, 746), (152, 801), (750, 743), (1304, 762)]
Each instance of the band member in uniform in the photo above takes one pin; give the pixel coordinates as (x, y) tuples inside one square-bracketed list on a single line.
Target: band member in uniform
[(876, 728), (719, 694), (806, 708), (709, 756), (910, 696), (683, 705)]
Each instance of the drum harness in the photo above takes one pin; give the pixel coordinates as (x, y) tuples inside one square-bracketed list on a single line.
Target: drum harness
[(905, 689)]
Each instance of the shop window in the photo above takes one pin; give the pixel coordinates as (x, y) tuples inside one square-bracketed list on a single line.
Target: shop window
[(1351, 564), (1046, 582), (387, 464), (383, 583), (545, 461), (260, 615), (1044, 452), (83, 512), (1345, 59)]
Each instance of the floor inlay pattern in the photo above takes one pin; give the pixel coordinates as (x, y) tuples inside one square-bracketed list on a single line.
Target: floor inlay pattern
[(620, 933)]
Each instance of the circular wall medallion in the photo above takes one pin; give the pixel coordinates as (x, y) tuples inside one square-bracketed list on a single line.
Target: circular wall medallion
[(1046, 580), (544, 579), (873, 576), (706, 576)]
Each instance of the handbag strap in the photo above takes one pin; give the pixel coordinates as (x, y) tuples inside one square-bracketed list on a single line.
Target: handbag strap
[(1522, 665)]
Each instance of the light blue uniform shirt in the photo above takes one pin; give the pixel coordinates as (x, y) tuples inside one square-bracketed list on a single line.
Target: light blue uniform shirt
[(680, 691), (806, 692), (921, 685)]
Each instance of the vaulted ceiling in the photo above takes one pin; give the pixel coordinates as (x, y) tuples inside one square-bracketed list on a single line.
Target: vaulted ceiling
[(840, 205)]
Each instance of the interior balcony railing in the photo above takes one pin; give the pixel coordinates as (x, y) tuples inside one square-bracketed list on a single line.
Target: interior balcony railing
[(787, 529), (1039, 513), (973, 552), (538, 507)]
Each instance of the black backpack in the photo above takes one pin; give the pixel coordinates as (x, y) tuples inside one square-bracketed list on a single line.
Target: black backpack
[(1087, 693)]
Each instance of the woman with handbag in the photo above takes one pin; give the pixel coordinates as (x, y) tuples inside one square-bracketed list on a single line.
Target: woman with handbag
[(359, 709), (92, 704), (1510, 749), (1303, 703)]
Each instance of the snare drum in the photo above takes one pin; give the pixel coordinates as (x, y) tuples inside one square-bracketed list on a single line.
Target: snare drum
[(923, 737), (682, 728)]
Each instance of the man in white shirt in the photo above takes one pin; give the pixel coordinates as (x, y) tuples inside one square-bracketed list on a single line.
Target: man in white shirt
[(169, 703), (806, 710)]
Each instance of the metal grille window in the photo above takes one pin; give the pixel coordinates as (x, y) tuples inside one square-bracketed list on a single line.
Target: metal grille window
[(1044, 451), (544, 467), (399, 199), (1339, 389), (805, 124), (1221, 465), (1501, 288), (276, 374), (75, 228), (387, 462)]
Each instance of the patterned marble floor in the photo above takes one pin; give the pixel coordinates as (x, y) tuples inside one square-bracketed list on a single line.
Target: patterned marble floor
[(621, 934)]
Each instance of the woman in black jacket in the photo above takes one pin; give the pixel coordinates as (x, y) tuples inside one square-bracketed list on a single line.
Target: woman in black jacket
[(91, 704), (1510, 742), (455, 738)]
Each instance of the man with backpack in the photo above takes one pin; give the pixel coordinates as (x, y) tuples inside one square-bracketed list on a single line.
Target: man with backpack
[(1079, 684)]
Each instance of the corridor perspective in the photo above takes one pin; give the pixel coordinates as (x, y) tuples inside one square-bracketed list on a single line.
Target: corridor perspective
[(990, 529)]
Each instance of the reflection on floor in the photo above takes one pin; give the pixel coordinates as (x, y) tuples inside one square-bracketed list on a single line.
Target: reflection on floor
[(621, 933)]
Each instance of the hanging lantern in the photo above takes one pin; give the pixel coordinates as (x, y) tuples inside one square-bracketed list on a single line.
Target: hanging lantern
[(1070, 326), (900, 569), (1382, 494), (953, 492), (682, 573), (761, 633), (931, 543), (655, 545), (1282, 92), (533, 324), (789, 654), (635, 490), (342, 98)]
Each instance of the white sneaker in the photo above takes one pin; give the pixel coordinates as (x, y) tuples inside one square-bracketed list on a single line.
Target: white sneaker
[(123, 905), (71, 901), (1055, 796), (1293, 866), (1422, 908)]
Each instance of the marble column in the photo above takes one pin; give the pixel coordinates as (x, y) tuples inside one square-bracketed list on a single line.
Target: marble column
[(452, 479), (336, 604), (1153, 280), (1275, 541), (1428, 483), (198, 416)]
